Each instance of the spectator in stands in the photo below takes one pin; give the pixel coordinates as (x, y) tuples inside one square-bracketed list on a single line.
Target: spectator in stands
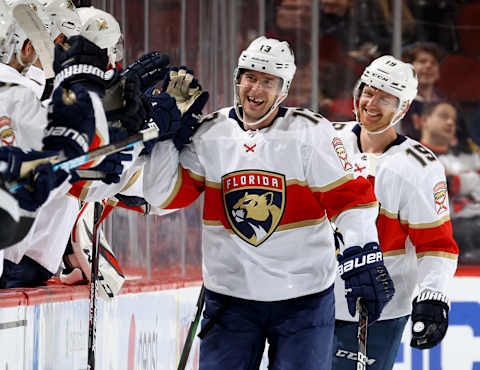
[(425, 57), (439, 124)]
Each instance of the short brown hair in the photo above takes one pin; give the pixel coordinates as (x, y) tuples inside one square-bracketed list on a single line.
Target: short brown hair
[(410, 52)]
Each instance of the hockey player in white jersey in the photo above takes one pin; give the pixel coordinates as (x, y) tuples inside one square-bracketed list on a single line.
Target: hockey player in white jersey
[(272, 179), (414, 226)]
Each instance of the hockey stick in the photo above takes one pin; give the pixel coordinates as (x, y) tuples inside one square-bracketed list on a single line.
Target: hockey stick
[(92, 314), (192, 330), (69, 164), (362, 335)]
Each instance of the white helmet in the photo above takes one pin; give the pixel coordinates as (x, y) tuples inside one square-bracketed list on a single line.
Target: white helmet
[(7, 33), (102, 29), (393, 76), (63, 18), (269, 56)]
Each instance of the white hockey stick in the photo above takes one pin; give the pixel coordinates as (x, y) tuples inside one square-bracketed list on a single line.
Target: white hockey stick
[(69, 164), (26, 13)]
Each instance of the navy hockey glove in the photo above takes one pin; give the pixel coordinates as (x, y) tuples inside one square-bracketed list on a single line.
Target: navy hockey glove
[(165, 114), (429, 319), (71, 121), (366, 277), (111, 168), (13, 158), (42, 181), (80, 60), (123, 102), (190, 99), (151, 68)]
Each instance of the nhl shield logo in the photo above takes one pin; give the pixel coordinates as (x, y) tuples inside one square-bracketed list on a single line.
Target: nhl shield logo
[(254, 202)]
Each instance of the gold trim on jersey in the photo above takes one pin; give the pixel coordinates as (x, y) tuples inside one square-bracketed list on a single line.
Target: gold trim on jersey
[(175, 190), (332, 185), (451, 256), (212, 223), (397, 252), (296, 182), (296, 225), (430, 225), (366, 205), (393, 216), (132, 180), (194, 176)]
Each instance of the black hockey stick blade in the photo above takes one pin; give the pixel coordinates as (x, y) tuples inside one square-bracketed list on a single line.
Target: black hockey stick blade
[(362, 335), (192, 331)]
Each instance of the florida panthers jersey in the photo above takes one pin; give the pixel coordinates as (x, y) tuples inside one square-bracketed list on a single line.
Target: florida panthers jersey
[(269, 195), (413, 225)]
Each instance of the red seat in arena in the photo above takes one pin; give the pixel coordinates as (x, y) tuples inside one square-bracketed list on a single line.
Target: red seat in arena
[(468, 28), (460, 78)]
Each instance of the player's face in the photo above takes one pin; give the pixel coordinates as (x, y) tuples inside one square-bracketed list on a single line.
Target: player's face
[(427, 68), (258, 92), (376, 108), (441, 123)]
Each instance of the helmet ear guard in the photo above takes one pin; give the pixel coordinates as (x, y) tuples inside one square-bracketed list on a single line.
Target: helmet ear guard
[(269, 56), (392, 76)]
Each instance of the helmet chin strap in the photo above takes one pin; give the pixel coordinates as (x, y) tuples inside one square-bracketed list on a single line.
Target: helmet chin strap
[(237, 106)]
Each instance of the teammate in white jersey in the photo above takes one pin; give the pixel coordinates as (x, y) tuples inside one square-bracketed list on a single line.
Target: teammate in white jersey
[(414, 226), (272, 178)]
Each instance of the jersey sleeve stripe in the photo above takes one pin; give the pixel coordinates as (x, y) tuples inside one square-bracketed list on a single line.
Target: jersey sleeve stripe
[(452, 256), (185, 191), (355, 193), (429, 225), (333, 185), (436, 239), (391, 234)]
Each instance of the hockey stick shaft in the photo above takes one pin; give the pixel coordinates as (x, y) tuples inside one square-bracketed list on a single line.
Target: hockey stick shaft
[(92, 317), (69, 164), (362, 335), (192, 331)]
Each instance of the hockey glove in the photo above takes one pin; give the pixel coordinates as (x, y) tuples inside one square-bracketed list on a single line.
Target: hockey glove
[(190, 99), (151, 68), (80, 60), (123, 102), (184, 87), (165, 114), (111, 168), (365, 277), (13, 158), (71, 121), (429, 319), (42, 182)]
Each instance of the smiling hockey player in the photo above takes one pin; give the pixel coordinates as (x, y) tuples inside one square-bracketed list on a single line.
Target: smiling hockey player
[(414, 222), (272, 177)]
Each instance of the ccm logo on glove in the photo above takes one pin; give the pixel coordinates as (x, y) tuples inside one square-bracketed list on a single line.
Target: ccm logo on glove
[(357, 262)]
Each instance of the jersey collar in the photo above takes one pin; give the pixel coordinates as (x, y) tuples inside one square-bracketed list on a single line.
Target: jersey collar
[(282, 111), (357, 128)]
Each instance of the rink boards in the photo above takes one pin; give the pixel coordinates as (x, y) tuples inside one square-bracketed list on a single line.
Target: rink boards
[(47, 328)]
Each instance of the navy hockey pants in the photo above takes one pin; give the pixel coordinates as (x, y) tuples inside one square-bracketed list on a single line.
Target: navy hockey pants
[(383, 340), (299, 332)]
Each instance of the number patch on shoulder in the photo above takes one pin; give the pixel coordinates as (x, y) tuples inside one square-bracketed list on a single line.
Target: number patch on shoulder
[(421, 154)]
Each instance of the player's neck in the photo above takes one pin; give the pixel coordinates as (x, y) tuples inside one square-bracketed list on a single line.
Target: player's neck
[(377, 143), (266, 122)]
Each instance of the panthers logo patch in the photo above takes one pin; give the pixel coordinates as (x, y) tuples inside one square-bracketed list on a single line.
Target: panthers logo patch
[(6, 132), (440, 192), (341, 153), (254, 202)]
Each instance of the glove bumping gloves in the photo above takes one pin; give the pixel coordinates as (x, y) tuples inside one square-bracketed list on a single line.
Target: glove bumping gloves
[(190, 100), (366, 277), (429, 319)]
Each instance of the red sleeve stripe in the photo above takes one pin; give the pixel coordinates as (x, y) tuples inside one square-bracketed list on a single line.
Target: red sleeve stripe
[(97, 141), (187, 188), (435, 238), (355, 193)]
